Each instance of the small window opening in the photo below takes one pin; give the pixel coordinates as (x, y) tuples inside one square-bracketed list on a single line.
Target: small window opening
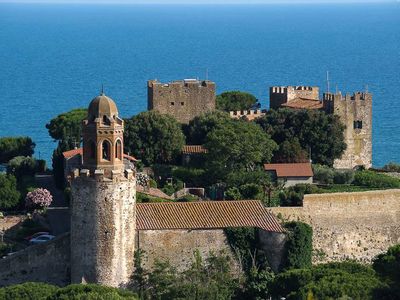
[(172, 103), (118, 150), (358, 124), (182, 103)]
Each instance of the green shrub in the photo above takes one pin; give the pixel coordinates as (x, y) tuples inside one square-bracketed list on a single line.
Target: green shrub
[(191, 176), (298, 246), (293, 196), (345, 280), (392, 167), (153, 183), (91, 291), (233, 193), (250, 191), (144, 198), (28, 291), (188, 198), (323, 174), (4, 249), (9, 195), (375, 180), (22, 166), (343, 176)]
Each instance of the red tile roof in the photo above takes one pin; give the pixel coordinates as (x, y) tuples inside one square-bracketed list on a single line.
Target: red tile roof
[(193, 149), (290, 170), (205, 215), (71, 153), (303, 103)]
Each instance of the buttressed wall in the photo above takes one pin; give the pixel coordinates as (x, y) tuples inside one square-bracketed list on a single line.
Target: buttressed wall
[(183, 100), (349, 225)]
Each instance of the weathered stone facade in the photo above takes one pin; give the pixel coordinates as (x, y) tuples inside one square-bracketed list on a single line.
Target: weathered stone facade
[(279, 95), (48, 262), (183, 100), (103, 229), (355, 112), (349, 225)]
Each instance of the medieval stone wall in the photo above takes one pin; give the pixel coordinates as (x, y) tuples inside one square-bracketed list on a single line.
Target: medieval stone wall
[(103, 229), (48, 262), (349, 225), (183, 100), (355, 112), (178, 246)]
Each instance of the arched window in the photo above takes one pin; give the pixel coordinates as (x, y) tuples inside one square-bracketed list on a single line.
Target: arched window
[(106, 150), (106, 121), (92, 150), (118, 149)]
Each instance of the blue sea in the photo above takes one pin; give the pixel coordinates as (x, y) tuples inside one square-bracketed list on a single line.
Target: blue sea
[(56, 57)]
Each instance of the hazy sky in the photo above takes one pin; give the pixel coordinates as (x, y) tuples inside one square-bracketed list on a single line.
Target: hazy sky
[(198, 1)]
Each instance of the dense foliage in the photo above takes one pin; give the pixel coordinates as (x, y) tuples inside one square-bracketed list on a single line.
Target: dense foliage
[(22, 166), (387, 265), (9, 195), (318, 133), (236, 145), (200, 126), (375, 180), (298, 246), (42, 291), (346, 280), (290, 151), (293, 196), (327, 175), (235, 100), (209, 279), (153, 138), (67, 126), (15, 146)]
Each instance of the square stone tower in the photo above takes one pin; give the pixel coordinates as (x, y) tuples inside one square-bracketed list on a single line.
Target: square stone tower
[(355, 112), (183, 99)]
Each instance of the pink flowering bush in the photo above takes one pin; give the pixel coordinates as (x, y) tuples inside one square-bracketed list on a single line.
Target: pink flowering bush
[(38, 199)]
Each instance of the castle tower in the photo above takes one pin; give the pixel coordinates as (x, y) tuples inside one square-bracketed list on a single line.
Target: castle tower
[(183, 99), (103, 202), (355, 112)]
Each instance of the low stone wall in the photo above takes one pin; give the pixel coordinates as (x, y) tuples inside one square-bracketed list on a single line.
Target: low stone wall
[(178, 246), (349, 225), (48, 262)]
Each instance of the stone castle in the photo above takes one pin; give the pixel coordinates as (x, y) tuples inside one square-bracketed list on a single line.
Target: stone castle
[(183, 99), (355, 112)]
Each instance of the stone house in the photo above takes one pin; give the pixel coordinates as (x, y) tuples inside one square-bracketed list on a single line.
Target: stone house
[(290, 173)]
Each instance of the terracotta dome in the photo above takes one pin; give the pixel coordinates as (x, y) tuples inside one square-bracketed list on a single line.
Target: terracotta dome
[(102, 106)]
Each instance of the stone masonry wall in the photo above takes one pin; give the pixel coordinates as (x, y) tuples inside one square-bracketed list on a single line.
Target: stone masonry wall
[(48, 262), (103, 230), (282, 94), (178, 246), (183, 100), (349, 225)]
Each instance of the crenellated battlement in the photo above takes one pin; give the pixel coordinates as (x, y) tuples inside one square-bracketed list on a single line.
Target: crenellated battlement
[(250, 113), (357, 96), (100, 175), (280, 95)]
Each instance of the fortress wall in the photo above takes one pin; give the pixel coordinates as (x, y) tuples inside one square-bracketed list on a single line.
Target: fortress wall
[(349, 225), (178, 246), (48, 262)]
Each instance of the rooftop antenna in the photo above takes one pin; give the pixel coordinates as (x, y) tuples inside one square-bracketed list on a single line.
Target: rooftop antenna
[(102, 89), (327, 82), (337, 91), (366, 88)]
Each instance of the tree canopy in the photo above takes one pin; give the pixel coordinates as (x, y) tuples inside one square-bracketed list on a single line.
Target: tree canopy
[(67, 126), (15, 146), (200, 126), (153, 138), (236, 145), (9, 195), (319, 133), (235, 100)]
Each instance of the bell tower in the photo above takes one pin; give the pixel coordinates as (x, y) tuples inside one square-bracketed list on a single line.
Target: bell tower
[(103, 136), (103, 206)]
